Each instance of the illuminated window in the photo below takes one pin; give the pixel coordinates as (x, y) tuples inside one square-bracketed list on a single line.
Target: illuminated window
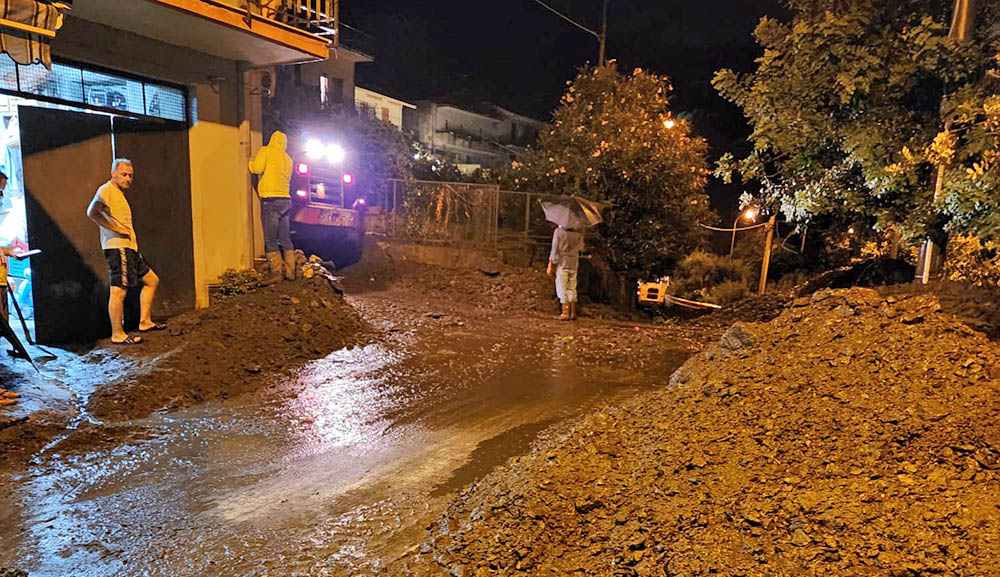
[(324, 89)]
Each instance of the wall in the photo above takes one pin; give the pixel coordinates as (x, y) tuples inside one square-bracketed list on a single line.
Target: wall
[(225, 224), (219, 205), (433, 118), (339, 66), (377, 102)]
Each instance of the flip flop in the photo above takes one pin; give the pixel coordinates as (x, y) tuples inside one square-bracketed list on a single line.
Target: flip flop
[(155, 327), (129, 340)]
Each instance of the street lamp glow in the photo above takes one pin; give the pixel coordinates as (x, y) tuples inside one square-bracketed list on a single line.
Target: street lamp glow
[(314, 149), (749, 214), (335, 154), (669, 123), (850, 230)]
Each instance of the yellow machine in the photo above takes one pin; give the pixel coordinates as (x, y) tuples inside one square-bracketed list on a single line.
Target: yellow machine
[(656, 292), (653, 292)]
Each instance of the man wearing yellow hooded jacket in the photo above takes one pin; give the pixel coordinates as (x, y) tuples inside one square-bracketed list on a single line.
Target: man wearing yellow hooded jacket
[(275, 167)]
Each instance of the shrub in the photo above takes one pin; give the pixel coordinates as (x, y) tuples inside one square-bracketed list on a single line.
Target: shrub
[(968, 259), (700, 272), (727, 292)]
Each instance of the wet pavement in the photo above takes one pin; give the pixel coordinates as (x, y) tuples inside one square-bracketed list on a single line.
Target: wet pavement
[(335, 470)]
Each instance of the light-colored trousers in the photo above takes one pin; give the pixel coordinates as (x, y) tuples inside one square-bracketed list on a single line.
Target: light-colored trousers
[(566, 285)]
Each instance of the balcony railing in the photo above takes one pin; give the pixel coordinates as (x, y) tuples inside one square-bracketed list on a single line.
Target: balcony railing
[(316, 16)]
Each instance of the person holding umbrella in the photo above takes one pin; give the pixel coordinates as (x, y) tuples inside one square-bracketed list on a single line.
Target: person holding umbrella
[(572, 216)]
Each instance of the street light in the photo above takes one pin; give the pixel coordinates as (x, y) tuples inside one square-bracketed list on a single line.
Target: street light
[(669, 123), (749, 214)]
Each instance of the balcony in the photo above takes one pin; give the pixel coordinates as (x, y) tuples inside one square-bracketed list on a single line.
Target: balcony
[(260, 32), (315, 16)]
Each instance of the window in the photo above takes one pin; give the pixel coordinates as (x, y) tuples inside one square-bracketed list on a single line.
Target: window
[(336, 89), (62, 82), (324, 89), (107, 91), (77, 85), (165, 102), (385, 114)]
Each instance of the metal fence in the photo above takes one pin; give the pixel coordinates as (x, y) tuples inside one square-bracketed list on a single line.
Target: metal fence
[(460, 213), (438, 212), (520, 217)]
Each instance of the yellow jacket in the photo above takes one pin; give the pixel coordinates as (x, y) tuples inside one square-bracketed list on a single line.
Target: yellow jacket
[(275, 165)]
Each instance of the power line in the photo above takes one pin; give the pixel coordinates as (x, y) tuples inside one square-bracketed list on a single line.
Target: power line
[(570, 20)]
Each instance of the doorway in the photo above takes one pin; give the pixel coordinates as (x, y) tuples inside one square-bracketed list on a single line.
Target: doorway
[(65, 155)]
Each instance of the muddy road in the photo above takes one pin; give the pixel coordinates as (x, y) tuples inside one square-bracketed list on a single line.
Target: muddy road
[(335, 468)]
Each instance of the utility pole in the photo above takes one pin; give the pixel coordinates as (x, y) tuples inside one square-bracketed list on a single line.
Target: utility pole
[(963, 23), (766, 263), (604, 34)]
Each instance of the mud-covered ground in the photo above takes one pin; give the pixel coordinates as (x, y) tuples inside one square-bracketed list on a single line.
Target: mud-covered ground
[(442, 422), (328, 463), (231, 347), (855, 434)]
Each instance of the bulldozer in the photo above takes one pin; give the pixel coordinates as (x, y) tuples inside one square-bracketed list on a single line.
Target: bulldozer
[(655, 292)]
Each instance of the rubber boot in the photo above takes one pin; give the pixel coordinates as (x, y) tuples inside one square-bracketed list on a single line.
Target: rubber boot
[(276, 269), (572, 311), (289, 265), (565, 312)]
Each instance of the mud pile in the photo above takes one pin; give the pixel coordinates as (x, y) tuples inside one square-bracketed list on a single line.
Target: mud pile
[(854, 435), (500, 288), (215, 352)]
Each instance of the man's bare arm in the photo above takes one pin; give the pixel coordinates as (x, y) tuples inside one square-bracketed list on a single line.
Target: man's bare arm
[(98, 212)]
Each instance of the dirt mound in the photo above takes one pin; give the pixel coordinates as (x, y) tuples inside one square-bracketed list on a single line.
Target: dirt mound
[(376, 269), (221, 350), (500, 288), (853, 435)]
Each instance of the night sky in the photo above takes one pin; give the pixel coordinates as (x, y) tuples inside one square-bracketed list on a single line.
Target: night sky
[(516, 54)]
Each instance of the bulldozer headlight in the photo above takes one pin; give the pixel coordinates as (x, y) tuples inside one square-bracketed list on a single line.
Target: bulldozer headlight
[(315, 149), (335, 153)]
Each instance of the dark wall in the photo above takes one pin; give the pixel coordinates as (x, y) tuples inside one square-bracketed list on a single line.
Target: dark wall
[(66, 157), (161, 206)]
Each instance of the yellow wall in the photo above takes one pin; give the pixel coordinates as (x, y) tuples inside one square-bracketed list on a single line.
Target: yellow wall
[(220, 204)]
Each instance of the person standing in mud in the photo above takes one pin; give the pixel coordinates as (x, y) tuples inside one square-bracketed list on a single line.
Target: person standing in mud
[(275, 167), (564, 260), (110, 210)]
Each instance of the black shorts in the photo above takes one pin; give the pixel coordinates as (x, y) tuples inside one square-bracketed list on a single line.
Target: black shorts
[(127, 267)]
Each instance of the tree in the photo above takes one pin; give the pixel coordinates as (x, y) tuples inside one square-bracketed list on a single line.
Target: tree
[(613, 138), (847, 114)]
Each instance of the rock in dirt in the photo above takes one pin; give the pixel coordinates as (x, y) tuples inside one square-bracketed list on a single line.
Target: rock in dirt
[(837, 444)]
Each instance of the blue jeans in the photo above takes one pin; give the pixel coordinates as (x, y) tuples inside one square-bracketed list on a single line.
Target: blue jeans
[(274, 214)]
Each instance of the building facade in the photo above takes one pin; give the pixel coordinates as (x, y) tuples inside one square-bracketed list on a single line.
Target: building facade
[(484, 138), (178, 87), (375, 105)]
